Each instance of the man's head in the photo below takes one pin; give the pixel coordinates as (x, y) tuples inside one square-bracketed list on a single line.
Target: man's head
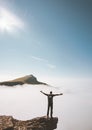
[(50, 92)]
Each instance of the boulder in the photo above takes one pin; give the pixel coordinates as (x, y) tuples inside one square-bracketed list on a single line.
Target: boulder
[(39, 123)]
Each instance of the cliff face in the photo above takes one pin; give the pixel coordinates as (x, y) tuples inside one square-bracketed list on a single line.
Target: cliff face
[(39, 123)]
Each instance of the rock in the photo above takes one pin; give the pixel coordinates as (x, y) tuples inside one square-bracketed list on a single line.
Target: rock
[(39, 123), (29, 79), (6, 122)]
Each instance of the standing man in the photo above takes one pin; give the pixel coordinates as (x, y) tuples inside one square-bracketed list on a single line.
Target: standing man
[(50, 102)]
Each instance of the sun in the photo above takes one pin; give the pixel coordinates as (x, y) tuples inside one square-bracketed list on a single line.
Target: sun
[(9, 22), (5, 25)]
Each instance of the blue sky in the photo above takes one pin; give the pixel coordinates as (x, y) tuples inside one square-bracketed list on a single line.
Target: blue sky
[(50, 38)]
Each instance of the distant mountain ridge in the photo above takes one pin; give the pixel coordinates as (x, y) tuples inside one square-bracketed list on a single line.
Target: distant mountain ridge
[(29, 79)]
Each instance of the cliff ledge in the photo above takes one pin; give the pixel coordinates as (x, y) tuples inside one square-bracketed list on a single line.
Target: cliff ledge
[(39, 123)]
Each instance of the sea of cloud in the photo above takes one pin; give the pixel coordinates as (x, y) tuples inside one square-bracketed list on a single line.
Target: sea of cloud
[(74, 108)]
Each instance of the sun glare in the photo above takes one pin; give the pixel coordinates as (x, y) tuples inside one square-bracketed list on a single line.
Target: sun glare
[(9, 22), (5, 25)]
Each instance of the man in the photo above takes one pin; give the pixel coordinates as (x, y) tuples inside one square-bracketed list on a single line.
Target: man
[(50, 102)]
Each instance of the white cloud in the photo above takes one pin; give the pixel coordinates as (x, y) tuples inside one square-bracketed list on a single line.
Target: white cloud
[(51, 66), (39, 59), (9, 22)]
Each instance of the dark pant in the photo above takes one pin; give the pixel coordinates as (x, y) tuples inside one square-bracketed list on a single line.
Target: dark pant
[(50, 108)]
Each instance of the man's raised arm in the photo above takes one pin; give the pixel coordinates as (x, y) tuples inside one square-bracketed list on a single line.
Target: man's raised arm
[(44, 93), (57, 94)]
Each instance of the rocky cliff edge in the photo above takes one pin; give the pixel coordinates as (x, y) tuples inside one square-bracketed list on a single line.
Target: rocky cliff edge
[(39, 123)]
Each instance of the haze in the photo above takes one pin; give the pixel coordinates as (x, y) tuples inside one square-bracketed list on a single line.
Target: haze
[(74, 108)]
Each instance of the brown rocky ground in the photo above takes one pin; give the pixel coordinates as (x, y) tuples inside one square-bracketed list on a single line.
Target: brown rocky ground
[(39, 123)]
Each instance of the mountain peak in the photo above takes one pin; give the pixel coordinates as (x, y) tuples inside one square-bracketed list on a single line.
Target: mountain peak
[(28, 79)]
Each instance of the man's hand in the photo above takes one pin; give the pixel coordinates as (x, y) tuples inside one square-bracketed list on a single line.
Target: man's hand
[(44, 93), (61, 93)]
